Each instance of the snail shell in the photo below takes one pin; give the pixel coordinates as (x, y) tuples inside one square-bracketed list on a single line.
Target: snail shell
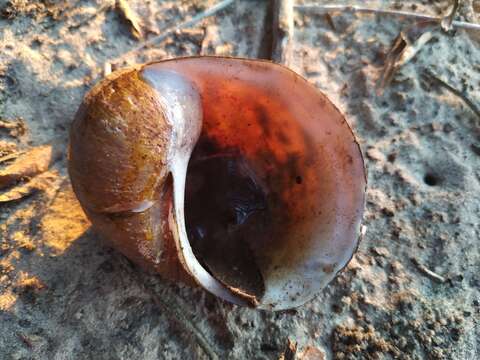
[(234, 174)]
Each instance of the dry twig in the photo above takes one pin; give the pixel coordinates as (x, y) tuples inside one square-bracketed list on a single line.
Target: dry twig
[(322, 9), (427, 74), (282, 31), (194, 20), (428, 272), (176, 311), (330, 22)]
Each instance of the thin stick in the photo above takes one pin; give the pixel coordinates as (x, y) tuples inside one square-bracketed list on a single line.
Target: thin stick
[(428, 74), (178, 311), (175, 309), (194, 20), (428, 272), (282, 31), (360, 9)]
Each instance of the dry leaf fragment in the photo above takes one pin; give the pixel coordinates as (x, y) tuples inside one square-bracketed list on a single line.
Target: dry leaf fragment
[(405, 46), (130, 17), (27, 164), (38, 183), (16, 128), (290, 351), (321, 9), (185, 24)]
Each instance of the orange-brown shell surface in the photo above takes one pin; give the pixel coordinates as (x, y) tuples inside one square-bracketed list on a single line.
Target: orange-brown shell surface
[(234, 174)]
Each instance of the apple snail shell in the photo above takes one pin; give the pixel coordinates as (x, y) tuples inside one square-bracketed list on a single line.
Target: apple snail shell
[(234, 174)]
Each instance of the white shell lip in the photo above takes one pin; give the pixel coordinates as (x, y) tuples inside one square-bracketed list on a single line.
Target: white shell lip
[(173, 88), (329, 254)]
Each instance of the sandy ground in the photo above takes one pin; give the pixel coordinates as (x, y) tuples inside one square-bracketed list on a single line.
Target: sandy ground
[(410, 292)]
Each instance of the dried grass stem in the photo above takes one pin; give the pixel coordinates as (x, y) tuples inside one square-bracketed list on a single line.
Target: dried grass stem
[(322, 9)]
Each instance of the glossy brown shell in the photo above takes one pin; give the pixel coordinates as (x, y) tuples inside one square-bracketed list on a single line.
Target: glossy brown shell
[(134, 134)]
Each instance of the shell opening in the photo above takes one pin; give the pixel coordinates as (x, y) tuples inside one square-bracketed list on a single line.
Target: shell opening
[(274, 189), (225, 208)]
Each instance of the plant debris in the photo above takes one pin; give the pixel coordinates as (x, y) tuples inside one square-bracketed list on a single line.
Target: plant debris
[(431, 274), (429, 76), (14, 128), (283, 29), (290, 351), (38, 183), (131, 18), (327, 8), (404, 48), (27, 164), (185, 24), (175, 308)]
